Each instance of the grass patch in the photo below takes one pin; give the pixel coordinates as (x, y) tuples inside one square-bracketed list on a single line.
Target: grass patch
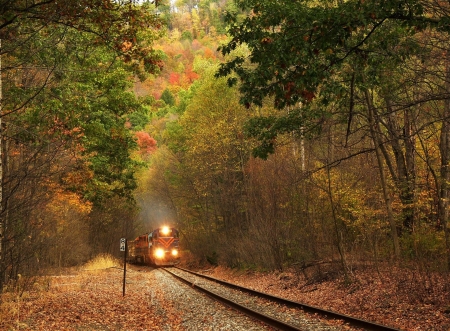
[(101, 262)]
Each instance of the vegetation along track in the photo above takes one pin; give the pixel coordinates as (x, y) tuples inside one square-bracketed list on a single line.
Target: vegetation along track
[(287, 315)]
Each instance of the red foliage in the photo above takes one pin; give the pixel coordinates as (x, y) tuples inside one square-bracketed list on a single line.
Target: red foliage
[(156, 95), (146, 144), (191, 76), (174, 78), (308, 95)]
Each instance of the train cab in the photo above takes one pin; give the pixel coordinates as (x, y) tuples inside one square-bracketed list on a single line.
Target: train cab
[(165, 246)]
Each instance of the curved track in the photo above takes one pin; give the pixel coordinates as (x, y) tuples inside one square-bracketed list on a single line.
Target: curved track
[(281, 325)]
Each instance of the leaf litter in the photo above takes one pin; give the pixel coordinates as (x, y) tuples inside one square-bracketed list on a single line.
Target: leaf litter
[(91, 301)]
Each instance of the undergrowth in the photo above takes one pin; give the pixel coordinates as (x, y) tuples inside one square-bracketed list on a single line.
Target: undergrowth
[(102, 261)]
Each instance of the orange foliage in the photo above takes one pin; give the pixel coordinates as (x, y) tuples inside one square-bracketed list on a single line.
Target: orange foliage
[(64, 202), (159, 85), (191, 76), (174, 78), (78, 178), (126, 46), (156, 94), (146, 144), (209, 54)]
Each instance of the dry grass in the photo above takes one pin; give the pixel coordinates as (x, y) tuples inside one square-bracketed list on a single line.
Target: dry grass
[(101, 262)]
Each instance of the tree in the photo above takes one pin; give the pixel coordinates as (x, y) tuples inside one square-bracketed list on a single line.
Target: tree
[(208, 145), (168, 97), (146, 143), (296, 47), (120, 25), (318, 52), (66, 96)]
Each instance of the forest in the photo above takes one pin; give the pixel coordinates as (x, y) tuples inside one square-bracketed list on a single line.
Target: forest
[(272, 134)]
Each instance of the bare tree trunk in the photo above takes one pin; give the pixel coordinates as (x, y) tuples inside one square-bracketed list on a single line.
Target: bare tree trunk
[(409, 210), (444, 184), (302, 148), (402, 144), (387, 197), (298, 142), (302, 143), (2, 226), (339, 235)]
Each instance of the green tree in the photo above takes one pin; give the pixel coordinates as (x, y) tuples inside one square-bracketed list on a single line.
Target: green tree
[(168, 97), (296, 47)]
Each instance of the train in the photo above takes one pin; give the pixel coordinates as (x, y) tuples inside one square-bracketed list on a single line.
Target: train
[(158, 248)]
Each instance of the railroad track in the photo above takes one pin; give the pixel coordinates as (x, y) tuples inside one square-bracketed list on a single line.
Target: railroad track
[(279, 322)]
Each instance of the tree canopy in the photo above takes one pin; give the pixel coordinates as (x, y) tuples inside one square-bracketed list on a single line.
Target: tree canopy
[(67, 72), (297, 46)]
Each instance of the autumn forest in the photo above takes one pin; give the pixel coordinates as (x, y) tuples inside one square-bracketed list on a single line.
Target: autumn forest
[(272, 134)]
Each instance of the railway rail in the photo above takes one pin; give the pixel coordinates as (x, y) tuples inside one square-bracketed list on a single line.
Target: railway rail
[(279, 321)]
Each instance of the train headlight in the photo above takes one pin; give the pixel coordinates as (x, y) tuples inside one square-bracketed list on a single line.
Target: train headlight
[(175, 252), (159, 253), (165, 230)]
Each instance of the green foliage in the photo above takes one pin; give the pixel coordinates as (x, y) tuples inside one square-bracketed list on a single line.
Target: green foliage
[(168, 97), (176, 137), (266, 128), (139, 119), (85, 108), (187, 35), (185, 99), (67, 95), (121, 26), (80, 93), (297, 47)]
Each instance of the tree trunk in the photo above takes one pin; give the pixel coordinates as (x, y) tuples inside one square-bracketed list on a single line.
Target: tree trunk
[(339, 235), (2, 226), (374, 130), (402, 144), (444, 185)]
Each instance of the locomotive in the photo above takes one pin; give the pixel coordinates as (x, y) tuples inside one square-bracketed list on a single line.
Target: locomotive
[(159, 248)]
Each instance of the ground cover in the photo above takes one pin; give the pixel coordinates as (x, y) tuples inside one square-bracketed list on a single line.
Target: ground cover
[(88, 299), (91, 297), (402, 298)]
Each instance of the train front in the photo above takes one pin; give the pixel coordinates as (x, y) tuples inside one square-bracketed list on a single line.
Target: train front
[(165, 246)]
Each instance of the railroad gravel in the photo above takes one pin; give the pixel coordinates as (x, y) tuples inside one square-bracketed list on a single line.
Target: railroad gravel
[(195, 310), (295, 317)]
